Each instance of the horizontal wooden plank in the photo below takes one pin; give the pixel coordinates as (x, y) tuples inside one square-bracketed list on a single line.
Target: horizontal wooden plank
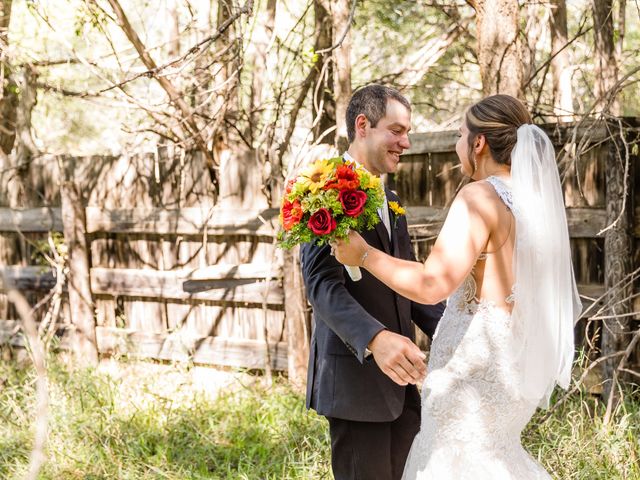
[(425, 221), (11, 333), (583, 222), (445, 141), (586, 222), (243, 283), (231, 271), (591, 290), (185, 221), (43, 219), (27, 278), (432, 142), (233, 352), (173, 285)]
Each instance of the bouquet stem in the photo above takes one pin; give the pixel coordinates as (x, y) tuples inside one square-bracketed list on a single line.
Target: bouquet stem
[(354, 272)]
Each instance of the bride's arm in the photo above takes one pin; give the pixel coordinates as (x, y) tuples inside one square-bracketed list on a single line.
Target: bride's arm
[(463, 236)]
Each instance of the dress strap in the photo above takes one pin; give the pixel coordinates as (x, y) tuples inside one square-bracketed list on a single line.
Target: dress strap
[(503, 190)]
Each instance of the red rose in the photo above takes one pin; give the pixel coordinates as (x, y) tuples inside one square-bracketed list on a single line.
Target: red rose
[(352, 202), (321, 222), (291, 214), (346, 179)]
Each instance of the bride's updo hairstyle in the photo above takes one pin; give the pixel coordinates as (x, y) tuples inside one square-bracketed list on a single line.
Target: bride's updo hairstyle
[(497, 118)]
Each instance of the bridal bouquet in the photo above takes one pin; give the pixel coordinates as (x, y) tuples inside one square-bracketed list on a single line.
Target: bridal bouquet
[(325, 201)]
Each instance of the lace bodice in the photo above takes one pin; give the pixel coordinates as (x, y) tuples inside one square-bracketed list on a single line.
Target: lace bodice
[(472, 410), (503, 189)]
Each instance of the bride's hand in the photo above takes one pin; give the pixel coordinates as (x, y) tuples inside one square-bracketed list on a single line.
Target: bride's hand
[(350, 251)]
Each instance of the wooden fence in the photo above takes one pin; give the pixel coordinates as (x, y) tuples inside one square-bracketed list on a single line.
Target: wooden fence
[(207, 284)]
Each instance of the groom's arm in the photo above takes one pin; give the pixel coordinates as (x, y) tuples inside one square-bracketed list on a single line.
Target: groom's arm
[(331, 301), (426, 317)]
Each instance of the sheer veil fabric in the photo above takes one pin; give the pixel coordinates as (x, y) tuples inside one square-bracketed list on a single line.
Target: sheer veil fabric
[(547, 302)]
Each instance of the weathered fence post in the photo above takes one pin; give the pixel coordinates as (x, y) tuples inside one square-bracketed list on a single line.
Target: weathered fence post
[(78, 281), (295, 310), (617, 263)]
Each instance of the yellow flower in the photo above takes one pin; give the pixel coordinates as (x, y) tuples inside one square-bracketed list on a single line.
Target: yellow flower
[(396, 208), (315, 176), (374, 182)]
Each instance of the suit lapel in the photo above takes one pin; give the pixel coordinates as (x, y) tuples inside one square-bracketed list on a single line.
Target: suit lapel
[(384, 236)]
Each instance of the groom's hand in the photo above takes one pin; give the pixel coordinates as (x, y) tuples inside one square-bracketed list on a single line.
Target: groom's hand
[(398, 357)]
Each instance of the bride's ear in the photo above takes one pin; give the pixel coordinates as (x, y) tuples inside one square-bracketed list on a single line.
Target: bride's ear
[(479, 144)]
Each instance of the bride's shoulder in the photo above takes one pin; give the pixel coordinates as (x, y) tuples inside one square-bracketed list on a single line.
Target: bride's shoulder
[(479, 194), (479, 197)]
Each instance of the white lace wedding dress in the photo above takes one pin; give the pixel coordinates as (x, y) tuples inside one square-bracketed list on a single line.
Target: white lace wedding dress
[(472, 410)]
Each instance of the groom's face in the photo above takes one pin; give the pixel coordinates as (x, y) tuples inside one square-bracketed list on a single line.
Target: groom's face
[(388, 139)]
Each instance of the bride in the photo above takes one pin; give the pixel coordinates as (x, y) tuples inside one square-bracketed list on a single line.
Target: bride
[(506, 337)]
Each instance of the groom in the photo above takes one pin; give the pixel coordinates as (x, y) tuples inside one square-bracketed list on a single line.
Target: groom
[(363, 364)]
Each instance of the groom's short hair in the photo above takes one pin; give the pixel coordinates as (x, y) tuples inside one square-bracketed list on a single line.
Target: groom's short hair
[(371, 100)]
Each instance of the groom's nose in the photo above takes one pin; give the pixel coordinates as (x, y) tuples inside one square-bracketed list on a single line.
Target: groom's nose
[(404, 141)]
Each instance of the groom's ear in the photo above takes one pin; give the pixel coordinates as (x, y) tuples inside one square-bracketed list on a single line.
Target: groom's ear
[(361, 125)]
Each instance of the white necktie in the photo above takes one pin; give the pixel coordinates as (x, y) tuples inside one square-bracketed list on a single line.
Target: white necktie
[(384, 216)]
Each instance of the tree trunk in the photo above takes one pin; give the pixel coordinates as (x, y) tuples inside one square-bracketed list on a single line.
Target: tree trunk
[(296, 314), (78, 281), (25, 147), (617, 267), (498, 46), (340, 12), (173, 29), (240, 165), (323, 105), (606, 72), (560, 67), (8, 87)]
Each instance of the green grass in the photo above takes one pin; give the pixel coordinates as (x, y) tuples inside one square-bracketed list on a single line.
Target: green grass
[(106, 428), (103, 429)]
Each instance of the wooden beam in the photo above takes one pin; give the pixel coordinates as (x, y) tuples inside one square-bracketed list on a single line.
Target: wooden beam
[(27, 278), (445, 141), (174, 285), (244, 283), (81, 304), (231, 352), (186, 221), (11, 333), (296, 315), (431, 142), (583, 222), (586, 222), (44, 219), (232, 272)]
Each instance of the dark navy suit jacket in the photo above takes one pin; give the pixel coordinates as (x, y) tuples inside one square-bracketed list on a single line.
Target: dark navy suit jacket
[(347, 315)]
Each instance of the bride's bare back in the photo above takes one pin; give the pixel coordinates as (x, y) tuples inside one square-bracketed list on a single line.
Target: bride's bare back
[(493, 271)]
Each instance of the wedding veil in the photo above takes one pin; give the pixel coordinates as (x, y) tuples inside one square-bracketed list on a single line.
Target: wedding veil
[(547, 303)]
